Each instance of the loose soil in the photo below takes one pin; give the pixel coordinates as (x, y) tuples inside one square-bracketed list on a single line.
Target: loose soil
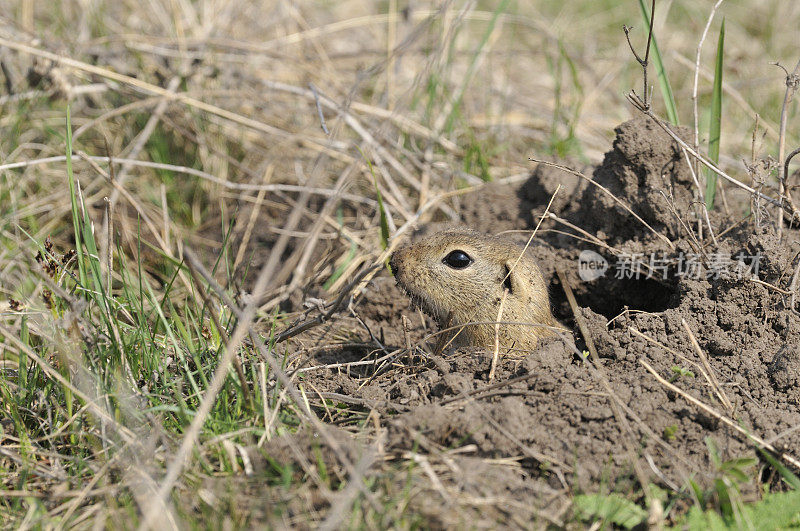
[(514, 448)]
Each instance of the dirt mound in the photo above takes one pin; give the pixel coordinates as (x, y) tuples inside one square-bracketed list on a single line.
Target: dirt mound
[(547, 423), (648, 172)]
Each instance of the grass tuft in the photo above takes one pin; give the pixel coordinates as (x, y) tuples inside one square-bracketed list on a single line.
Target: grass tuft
[(664, 85)]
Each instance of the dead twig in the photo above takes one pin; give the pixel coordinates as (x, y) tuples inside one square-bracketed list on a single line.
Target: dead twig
[(146, 87), (579, 320), (637, 102), (643, 62), (702, 201), (587, 237), (487, 388), (526, 449), (349, 364), (712, 379), (505, 292), (675, 353), (331, 309), (496, 353), (319, 109), (722, 418), (787, 193), (617, 406), (793, 286), (792, 82), (770, 286), (533, 234), (608, 193), (367, 402), (693, 241), (251, 222), (327, 192)]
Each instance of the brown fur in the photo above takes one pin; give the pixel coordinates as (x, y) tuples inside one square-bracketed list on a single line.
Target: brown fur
[(473, 294)]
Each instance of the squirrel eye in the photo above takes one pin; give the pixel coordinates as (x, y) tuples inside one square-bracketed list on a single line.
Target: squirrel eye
[(457, 259)]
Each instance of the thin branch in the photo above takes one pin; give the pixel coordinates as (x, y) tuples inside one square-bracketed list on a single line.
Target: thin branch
[(712, 378), (639, 104), (332, 308), (607, 192), (496, 354), (198, 173), (786, 176), (722, 418), (614, 401), (643, 62), (792, 82), (319, 109)]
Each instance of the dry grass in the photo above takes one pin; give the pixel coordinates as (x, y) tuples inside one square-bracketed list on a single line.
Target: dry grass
[(260, 119)]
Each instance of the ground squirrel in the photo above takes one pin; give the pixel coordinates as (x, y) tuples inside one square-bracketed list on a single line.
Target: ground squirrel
[(459, 276)]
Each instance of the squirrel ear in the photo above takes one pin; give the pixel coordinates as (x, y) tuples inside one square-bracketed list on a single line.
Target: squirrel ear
[(507, 280)]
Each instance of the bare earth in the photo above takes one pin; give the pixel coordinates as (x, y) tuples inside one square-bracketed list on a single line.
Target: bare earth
[(511, 449)]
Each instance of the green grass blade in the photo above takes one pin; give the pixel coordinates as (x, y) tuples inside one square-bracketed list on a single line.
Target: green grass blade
[(381, 208), (73, 195), (716, 119), (384, 219), (86, 245), (787, 474), (661, 73), (474, 63), (22, 360)]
